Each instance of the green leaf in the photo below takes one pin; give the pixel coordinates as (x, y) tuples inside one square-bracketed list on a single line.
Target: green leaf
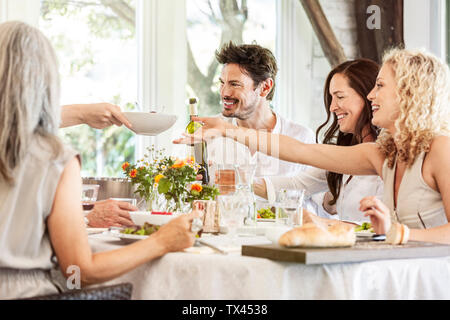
[(164, 185)]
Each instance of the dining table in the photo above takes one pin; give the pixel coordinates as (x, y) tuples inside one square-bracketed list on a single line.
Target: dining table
[(201, 273)]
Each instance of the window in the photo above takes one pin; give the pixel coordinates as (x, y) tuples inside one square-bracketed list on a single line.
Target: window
[(210, 24), (97, 51)]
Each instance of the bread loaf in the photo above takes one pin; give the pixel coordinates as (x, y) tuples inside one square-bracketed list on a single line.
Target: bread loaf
[(320, 235)]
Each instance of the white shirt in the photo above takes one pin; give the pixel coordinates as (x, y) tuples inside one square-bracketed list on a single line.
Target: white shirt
[(314, 181)]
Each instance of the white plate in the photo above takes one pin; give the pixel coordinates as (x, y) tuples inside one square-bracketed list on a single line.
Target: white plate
[(265, 220), (96, 230), (139, 218), (363, 234), (150, 124), (126, 238)]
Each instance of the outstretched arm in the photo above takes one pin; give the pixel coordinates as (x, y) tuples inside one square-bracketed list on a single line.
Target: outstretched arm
[(98, 115), (362, 159)]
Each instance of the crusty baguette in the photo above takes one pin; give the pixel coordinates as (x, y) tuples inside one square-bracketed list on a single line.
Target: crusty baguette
[(319, 235)]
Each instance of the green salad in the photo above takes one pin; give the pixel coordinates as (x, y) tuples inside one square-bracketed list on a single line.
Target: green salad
[(266, 213), (145, 230), (365, 227)]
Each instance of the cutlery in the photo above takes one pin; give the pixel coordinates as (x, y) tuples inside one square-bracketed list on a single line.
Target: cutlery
[(206, 244)]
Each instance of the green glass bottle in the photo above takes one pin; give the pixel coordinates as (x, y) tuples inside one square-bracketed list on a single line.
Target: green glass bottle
[(197, 150)]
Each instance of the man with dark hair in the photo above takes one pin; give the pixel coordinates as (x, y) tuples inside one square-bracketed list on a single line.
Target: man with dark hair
[(247, 87)]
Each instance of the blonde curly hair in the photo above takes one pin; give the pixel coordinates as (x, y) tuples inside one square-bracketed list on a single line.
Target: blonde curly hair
[(423, 88)]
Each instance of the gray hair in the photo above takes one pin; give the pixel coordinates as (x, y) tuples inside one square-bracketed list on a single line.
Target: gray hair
[(29, 94)]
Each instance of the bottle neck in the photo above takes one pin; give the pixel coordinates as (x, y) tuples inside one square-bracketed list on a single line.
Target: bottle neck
[(193, 111)]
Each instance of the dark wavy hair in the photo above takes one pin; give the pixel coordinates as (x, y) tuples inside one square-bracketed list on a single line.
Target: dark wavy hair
[(258, 62), (361, 75)]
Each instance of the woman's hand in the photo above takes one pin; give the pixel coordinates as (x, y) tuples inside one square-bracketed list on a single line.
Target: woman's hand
[(212, 128), (177, 235), (378, 213), (97, 115)]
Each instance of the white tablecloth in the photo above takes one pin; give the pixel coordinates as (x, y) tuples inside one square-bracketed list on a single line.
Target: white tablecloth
[(205, 275)]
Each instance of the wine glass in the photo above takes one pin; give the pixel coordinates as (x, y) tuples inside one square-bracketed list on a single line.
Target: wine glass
[(89, 196), (232, 214)]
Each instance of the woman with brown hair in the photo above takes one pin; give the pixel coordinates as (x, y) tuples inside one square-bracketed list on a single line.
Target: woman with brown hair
[(348, 123)]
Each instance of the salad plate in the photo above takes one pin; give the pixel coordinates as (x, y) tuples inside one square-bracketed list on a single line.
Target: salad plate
[(126, 238)]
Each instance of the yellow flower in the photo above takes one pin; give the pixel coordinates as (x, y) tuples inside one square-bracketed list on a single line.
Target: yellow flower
[(158, 177)]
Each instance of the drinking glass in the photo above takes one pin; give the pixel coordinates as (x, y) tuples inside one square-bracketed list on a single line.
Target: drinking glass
[(89, 195), (244, 191), (290, 207), (232, 213), (225, 178)]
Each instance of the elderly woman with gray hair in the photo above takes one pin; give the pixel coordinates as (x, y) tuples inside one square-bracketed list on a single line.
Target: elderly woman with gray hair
[(40, 185)]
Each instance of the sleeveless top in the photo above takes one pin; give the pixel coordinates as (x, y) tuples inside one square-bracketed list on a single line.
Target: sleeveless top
[(418, 205), (26, 205)]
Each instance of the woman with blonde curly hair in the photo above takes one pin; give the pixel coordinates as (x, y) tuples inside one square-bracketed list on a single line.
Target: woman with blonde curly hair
[(410, 102)]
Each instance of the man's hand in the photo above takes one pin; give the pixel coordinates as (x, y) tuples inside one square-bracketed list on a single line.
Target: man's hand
[(212, 128), (111, 213)]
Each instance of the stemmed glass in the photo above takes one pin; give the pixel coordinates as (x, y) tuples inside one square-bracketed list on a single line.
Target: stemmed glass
[(232, 214)]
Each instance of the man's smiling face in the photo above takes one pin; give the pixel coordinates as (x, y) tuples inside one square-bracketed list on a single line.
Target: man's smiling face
[(238, 93)]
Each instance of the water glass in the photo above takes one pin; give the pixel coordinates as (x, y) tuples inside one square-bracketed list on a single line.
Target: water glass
[(290, 207)]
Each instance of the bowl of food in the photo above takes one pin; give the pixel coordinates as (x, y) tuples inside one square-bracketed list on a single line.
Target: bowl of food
[(150, 123), (265, 211)]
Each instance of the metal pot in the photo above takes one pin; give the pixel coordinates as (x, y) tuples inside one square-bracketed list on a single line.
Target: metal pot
[(112, 187)]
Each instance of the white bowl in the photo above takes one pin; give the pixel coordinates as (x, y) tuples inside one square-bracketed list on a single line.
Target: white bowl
[(141, 217), (150, 124)]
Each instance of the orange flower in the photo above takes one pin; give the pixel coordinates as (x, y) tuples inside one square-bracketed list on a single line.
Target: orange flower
[(196, 187), (141, 168), (133, 173), (125, 166), (179, 164), (158, 177)]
